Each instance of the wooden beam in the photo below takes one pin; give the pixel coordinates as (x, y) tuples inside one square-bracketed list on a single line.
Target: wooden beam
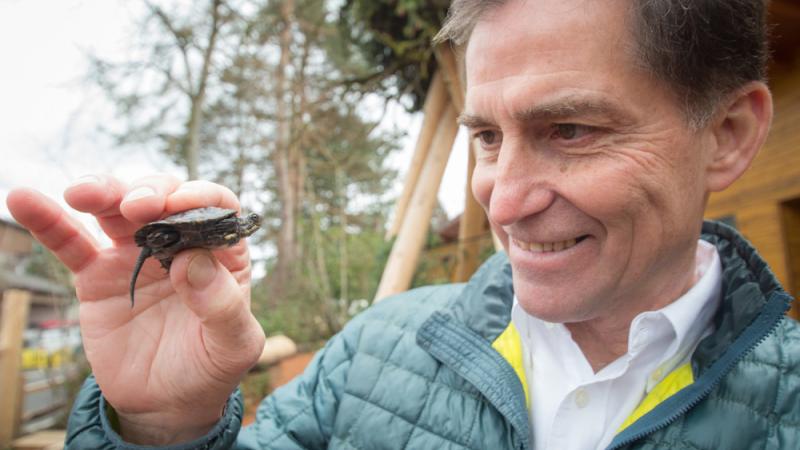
[(456, 86), (498, 244), (405, 253), (15, 307), (785, 9), (276, 348), (42, 440), (790, 212), (435, 102), (452, 75), (471, 228)]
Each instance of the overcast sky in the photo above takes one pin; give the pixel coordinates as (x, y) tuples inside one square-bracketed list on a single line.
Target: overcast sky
[(49, 119)]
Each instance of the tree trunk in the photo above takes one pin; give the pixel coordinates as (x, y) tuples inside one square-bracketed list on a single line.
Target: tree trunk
[(344, 260), (282, 159), (199, 96)]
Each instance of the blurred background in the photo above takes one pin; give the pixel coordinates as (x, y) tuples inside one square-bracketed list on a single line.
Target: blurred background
[(310, 110)]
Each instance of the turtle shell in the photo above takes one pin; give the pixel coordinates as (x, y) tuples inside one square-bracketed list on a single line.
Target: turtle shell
[(201, 227), (208, 227), (194, 217)]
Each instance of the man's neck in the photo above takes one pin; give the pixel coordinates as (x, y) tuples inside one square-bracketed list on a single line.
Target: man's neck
[(599, 345), (604, 339)]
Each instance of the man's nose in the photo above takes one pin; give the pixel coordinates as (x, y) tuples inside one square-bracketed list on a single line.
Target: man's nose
[(522, 187)]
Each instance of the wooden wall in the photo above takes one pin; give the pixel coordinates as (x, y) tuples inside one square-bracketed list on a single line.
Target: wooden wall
[(791, 225), (14, 239), (764, 201)]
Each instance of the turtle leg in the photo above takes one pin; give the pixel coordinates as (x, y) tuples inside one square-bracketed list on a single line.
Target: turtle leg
[(166, 263), (146, 252)]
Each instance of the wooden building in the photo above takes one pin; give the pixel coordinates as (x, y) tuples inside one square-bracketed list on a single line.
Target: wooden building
[(37, 368), (50, 300), (765, 203)]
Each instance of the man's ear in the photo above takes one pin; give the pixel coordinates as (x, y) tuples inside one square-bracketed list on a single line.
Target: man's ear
[(740, 130)]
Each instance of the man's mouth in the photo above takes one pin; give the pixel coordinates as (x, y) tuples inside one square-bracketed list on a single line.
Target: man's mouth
[(544, 247)]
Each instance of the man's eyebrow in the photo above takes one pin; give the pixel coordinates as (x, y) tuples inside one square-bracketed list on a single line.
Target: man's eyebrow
[(572, 107), (554, 110), (473, 121)]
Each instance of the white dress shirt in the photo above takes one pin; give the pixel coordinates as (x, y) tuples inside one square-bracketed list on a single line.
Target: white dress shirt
[(572, 407)]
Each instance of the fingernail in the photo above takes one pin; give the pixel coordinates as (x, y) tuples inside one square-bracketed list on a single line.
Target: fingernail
[(140, 192), (202, 271), (86, 179)]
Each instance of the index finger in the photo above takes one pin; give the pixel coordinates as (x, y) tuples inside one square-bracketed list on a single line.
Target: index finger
[(53, 227), (199, 194), (118, 208)]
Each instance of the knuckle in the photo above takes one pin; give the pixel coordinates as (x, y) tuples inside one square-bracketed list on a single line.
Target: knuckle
[(255, 346), (160, 181)]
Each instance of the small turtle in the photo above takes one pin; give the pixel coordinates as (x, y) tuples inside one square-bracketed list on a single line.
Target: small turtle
[(196, 228)]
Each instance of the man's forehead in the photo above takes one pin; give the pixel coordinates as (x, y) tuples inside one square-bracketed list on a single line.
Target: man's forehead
[(508, 34)]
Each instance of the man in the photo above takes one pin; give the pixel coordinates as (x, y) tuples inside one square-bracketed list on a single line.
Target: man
[(614, 319)]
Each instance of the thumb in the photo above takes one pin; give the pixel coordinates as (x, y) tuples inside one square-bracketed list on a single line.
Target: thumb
[(232, 336)]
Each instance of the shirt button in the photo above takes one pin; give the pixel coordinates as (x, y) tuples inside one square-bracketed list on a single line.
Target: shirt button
[(581, 398), (655, 377)]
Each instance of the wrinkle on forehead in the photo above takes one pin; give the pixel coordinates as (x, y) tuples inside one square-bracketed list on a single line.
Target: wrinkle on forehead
[(520, 30), (541, 59)]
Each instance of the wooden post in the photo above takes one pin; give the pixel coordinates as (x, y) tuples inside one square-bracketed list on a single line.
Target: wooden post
[(473, 218), (275, 349), (452, 76), (790, 212), (14, 319), (498, 244), (405, 253), (435, 102), (41, 440), (470, 230)]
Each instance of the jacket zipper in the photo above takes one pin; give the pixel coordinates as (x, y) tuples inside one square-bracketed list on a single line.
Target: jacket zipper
[(761, 328)]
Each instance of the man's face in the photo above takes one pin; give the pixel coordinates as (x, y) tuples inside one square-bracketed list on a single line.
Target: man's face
[(585, 165)]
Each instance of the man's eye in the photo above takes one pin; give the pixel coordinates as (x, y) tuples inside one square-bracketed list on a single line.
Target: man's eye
[(571, 131), (488, 138)]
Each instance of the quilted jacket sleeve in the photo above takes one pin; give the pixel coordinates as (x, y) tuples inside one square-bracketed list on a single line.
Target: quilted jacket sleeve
[(90, 427), (300, 415)]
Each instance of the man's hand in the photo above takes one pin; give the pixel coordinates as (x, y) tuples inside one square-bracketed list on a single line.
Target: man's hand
[(168, 365)]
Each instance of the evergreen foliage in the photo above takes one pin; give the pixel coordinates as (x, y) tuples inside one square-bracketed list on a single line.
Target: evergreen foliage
[(281, 102), (394, 38)]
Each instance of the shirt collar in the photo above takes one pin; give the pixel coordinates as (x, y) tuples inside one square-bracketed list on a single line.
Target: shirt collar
[(677, 327), (691, 314)]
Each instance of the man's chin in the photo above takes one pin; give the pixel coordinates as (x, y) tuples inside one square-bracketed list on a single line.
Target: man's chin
[(557, 305)]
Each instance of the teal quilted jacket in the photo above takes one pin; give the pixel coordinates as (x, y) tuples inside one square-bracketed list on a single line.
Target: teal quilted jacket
[(418, 371)]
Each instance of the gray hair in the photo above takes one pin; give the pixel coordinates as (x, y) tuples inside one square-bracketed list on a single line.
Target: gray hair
[(703, 49)]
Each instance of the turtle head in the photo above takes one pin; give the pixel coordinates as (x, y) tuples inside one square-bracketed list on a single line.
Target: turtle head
[(249, 224)]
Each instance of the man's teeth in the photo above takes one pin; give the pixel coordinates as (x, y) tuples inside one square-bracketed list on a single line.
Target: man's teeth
[(539, 247)]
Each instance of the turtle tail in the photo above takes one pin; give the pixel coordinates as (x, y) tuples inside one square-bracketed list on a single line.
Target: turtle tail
[(146, 252)]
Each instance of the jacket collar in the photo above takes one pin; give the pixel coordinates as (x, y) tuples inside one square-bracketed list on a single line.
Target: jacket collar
[(485, 303), (747, 286), (753, 306), (460, 337)]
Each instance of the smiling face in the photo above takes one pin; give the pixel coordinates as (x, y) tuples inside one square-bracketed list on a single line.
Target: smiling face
[(586, 167)]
